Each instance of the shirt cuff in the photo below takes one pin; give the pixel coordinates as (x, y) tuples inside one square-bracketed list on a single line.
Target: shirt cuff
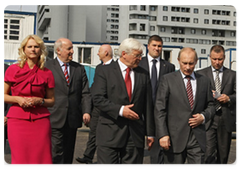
[(121, 111), (203, 119)]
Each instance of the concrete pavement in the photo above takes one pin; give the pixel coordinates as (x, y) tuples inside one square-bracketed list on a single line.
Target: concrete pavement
[(82, 137)]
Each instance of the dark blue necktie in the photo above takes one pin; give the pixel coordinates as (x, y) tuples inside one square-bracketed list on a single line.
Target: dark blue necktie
[(154, 79)]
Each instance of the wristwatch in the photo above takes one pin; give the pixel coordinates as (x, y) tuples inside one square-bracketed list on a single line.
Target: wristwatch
[(43, 101)]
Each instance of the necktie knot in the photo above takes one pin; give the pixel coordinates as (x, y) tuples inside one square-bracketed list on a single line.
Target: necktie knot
[(188, 78), (154, 61)]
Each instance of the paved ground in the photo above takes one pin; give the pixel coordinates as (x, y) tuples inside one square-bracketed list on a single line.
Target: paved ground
[(82, 137)]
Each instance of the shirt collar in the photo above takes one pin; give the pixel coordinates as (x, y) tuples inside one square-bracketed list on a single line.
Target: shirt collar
[(108, 62), (61, 63), (150, 58), (192, 75), (220, 70), (123, 67)]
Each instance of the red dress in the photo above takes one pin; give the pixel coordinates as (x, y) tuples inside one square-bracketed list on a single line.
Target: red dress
[(29, 129)]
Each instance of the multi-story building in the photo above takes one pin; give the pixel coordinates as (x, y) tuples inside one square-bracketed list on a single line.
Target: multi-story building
[(198, 27)]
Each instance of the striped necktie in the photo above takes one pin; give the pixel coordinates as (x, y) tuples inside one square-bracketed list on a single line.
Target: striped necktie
[(189, 91), (218, 89), (66, 73)]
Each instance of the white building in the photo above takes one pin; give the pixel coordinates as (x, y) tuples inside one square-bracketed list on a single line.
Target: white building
[(198, 27), (17, 25)]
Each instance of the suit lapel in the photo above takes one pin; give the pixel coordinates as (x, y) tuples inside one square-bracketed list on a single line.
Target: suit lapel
[(118, 73), (182, 89), (224, 78), (72, 71), (210, 75), (58, 69)]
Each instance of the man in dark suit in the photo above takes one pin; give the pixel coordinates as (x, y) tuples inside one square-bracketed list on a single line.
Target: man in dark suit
[(122, 92), (105, 55), (6, 108), (219, 130), (157, 67), (184, 103), (73, 101)]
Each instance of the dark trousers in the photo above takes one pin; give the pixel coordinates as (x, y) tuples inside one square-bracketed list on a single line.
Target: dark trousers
[(91, 144), (156, 153), (218, 142), (63, 144), (192, 154), (129, 154)]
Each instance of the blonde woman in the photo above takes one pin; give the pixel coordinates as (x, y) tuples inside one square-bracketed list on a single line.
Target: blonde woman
[(32, 91)]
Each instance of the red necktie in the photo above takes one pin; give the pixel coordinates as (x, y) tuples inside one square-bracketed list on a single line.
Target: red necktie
[(128, 83), (189, 91), (66, 74)]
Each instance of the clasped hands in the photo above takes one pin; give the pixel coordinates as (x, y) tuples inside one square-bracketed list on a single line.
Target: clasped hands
[(29, 101)]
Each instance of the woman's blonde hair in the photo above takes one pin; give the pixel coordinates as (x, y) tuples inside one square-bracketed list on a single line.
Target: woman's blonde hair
[(22, 56)]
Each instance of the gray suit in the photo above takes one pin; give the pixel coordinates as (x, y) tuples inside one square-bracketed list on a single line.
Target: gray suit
[(219, 129), (71, 102), (172, 111)]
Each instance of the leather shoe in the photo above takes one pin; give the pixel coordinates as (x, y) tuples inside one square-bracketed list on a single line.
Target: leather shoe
[(84, 160)]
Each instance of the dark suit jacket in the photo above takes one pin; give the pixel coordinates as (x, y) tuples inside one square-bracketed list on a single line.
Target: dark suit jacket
[(70, 102), (165, 67), (228, 87), (109, 95), (172, 110)]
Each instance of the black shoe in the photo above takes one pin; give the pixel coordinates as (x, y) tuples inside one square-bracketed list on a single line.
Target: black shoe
[(84, 160)]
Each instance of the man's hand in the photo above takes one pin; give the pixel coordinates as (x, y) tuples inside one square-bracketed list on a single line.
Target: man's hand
[(223, 98), (86, 118), (196, 120), (150, 141), (128, 113), (165, 142)]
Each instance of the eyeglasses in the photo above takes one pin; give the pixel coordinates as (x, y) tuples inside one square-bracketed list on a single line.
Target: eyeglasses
[(137, 55)]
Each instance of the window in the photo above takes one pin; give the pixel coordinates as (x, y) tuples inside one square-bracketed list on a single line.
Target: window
[(152, 28), (165, 18), (166, 39), (193, 31), (206, 11), (234, 14), (84, 55), (206, 21), (233, 33), (153, 8), (133, 7), (165, 8), (162, 29), (203, 51), (142, 27), (195, 20), (204, 32), (11, 29), (174, 30), (143, 7), (195, 11)]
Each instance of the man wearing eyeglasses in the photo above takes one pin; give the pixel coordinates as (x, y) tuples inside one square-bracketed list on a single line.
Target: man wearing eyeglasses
[(122, 92)]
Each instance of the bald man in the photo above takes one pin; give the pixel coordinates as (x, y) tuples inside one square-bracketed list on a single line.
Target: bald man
[(105, 55), (72, 101)]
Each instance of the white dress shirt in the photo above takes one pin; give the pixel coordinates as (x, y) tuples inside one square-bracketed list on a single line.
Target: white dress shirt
[(150, 63), (123, 68)]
